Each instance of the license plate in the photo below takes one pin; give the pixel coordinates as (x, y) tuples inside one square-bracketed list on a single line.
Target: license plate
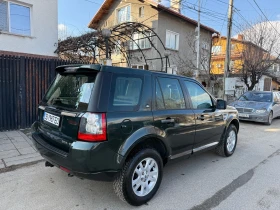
[(50, 118), (244, 115)]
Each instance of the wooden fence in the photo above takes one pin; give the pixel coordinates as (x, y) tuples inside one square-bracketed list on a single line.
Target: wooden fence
[(23, 83)]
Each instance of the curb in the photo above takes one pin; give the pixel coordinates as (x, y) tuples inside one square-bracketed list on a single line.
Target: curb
[(15, 167)]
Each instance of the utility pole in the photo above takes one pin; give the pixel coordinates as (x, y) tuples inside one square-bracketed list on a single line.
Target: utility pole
[(228, 46), (198, 43)]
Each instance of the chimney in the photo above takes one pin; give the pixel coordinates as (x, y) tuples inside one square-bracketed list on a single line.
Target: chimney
[(240, 37), (176, 5)]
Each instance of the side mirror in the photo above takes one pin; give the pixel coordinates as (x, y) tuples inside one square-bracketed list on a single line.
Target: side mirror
[(221, 104)]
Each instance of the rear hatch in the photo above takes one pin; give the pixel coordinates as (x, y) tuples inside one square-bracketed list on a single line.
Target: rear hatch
[(64, 104)]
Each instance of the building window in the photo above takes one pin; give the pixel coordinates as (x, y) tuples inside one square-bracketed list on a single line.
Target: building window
[(275, 67), (205, 46), (15, 18), (141, 12), (172, 40), (216, 50), (123, 14), (140, 41)]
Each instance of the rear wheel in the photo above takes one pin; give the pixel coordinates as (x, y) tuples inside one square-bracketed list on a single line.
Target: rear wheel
[(270, 118), (140, 177), (227, 145)]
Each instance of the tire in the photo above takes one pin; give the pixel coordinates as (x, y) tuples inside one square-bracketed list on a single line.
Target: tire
[(270, 118), (228, 142), (123, 182)]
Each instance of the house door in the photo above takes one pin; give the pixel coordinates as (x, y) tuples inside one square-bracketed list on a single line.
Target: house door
[(267, 84)]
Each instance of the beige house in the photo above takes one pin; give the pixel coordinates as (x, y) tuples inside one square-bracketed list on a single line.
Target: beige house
[(176, 31)]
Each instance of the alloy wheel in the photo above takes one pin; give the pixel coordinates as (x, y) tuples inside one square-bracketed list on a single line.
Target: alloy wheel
[(231, 141), (145, 177)]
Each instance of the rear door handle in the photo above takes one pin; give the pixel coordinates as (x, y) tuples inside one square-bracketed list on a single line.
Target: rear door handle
[(168, 120)]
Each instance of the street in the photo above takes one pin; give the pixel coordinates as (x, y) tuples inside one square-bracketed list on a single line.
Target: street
[(247, 180)]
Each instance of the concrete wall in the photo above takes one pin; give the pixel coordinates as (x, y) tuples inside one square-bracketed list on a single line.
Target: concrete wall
[(237, 87), (110, 20), (44, 31), (159, 22), (186, 33)]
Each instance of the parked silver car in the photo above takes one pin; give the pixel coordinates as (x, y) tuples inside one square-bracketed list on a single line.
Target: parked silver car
[(258, 106)]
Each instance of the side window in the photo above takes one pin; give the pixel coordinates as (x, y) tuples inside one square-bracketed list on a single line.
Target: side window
[(172, 93), (278, 94), (125, 93), (275, 98), (159, 97), (199, 97)]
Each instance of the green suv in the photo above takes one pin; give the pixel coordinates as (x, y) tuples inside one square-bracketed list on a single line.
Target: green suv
[(123, 125)]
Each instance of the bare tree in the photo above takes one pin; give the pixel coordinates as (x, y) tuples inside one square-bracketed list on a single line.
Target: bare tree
[(80, 49), (187, 64), (261, 51)]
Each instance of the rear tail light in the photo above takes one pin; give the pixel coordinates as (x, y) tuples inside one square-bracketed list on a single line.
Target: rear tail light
[(93, 127)]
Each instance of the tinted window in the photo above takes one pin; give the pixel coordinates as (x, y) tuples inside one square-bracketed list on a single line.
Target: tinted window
[(71, 91), (127, 91), (256, 96), (199, 97), (172, 93), (159, 97)]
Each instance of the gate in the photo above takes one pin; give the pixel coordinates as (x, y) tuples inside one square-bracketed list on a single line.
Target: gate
[(23, 83)]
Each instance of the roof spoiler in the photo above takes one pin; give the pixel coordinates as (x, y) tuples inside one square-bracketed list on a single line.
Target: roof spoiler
[(77, 68)]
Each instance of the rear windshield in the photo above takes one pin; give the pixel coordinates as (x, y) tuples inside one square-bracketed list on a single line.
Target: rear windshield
[(71, 91), (254, 96)]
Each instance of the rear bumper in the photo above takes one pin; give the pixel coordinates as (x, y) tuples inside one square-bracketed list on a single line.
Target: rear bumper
[(255, 118), (84, 159)]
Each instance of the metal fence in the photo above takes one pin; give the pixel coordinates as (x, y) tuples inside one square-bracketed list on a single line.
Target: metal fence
[(23, 83)]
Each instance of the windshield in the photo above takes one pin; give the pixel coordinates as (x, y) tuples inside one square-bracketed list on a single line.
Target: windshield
[(71, 91), (256, 96)]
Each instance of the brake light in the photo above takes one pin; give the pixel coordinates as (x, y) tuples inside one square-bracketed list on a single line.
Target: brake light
[(93, 127)]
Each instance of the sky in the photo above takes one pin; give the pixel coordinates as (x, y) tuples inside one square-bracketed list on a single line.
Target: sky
[(74, 15)]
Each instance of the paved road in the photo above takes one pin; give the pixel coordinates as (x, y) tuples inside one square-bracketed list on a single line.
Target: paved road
[(250, 179)]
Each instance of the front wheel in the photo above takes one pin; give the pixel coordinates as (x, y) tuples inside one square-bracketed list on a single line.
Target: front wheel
[(269, 119), (140, 177), (228, 142)]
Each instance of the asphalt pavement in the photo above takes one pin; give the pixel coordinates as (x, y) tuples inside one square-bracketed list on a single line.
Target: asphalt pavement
[(247, 180)]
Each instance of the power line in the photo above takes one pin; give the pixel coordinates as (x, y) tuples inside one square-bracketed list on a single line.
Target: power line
[(92, 2), (222, 2), (207, 10), (266, 17)]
